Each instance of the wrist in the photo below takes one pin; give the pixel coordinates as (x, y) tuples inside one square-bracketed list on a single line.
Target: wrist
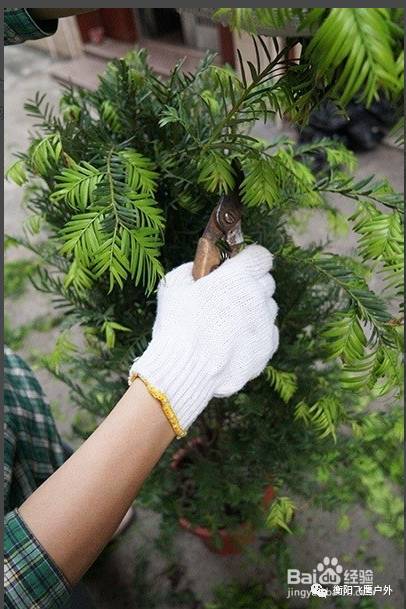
[(141, 405), (173, 374)]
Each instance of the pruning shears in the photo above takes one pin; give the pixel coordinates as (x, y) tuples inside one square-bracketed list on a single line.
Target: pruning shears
[(222, 237)]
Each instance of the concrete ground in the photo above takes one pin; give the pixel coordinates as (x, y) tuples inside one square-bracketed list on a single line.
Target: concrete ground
[(113, 580)]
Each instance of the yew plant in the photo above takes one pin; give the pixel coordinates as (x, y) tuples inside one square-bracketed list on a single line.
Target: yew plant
[(123, 179)]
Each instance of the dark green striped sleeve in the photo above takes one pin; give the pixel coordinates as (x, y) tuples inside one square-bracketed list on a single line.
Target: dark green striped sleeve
[(31, 578), (20, 26)]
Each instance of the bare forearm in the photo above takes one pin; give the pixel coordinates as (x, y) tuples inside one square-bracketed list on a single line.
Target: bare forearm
[(76, 511)]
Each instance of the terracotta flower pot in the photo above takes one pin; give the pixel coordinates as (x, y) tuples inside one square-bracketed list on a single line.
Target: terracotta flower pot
[(231, 542)]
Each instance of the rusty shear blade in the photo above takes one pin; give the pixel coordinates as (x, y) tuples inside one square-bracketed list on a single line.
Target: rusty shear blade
[(223, 235)]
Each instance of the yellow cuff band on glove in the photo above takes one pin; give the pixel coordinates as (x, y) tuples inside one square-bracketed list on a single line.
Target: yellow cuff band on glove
[(165, 404)]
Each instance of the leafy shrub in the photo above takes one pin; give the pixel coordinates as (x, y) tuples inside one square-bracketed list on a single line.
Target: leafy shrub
[(124, 180)]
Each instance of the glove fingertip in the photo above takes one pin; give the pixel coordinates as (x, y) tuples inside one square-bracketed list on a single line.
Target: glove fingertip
[(256, 259), (179, 275), (267, 283), (273, 308)]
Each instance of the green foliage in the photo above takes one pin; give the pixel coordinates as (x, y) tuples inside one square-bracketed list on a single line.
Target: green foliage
[(250, 19), (280, 513), (398, 130), (344, 523), (242, 597), (124, 182), (119, 232), (15, 336), (278, 180), (284, 383), (364, 335), (324, 415), (16, 276), (110, 328), (254, 595), (381, 240), (381, 235), (371, 466), (381, 500), (16, 173), (216, 173), (62, 352), (358, 43), (351, 51), (45, 154), (76, 185), (346, 337)]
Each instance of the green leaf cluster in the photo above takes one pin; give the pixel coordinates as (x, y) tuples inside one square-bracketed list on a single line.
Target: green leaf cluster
[(280, 513), (351, 51), (284, 383)]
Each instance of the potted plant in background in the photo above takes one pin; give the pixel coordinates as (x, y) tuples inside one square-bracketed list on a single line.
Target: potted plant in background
[(123, 181)]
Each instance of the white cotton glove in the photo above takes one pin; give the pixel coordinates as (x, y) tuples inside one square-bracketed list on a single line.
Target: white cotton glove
[(210, 336)]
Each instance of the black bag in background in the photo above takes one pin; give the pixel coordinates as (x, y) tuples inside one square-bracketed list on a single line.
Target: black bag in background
[(362, 129)]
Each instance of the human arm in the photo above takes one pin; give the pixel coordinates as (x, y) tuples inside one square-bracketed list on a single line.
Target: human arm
[(76, 511), (210, 337)]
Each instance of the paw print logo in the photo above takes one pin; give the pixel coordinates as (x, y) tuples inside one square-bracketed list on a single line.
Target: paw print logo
[(318, 590), (329, 571)]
